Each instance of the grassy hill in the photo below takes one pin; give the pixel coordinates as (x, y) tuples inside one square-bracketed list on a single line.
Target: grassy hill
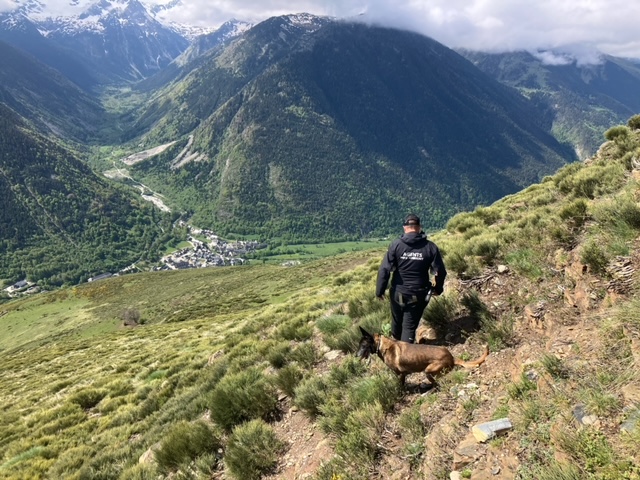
[(249, 372)]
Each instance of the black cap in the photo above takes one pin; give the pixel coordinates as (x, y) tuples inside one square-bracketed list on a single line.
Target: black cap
[(411, 219)]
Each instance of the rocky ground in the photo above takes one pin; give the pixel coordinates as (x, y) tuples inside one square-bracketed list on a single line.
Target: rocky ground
[(560, 318)]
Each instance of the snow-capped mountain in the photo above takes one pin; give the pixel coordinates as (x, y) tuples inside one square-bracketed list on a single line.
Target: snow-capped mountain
[(117, 39)]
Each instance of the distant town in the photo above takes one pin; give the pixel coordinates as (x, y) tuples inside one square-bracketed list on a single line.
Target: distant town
[(212, 252), (207, 250)]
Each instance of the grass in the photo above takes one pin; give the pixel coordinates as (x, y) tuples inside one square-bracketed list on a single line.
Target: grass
[(201, 381)]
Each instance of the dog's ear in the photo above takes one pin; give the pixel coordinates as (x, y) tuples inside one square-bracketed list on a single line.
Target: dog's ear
[(365, 333)]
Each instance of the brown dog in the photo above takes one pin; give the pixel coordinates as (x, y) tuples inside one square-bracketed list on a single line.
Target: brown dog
[(405, 358)]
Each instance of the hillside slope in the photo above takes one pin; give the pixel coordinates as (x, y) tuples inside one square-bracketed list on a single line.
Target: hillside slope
[(582, 100), (61, 223), (249, 373), (46, 98), (328, 129)]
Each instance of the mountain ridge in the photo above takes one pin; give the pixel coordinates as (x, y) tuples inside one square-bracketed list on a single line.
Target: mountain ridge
[(295, 77)]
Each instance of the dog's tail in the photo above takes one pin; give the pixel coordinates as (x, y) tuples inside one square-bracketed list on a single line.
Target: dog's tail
[(473, 363)]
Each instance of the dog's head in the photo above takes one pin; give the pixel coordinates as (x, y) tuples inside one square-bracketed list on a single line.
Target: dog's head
[(367, 345)]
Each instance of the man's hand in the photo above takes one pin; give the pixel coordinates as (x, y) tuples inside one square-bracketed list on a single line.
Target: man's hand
[(382, 297)]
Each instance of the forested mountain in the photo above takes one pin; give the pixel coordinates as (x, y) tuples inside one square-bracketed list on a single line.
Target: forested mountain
[(47, 98), (583, 100), (312, 128), (60, 222)]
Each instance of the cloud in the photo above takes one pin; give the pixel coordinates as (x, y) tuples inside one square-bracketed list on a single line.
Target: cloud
[(491, 25), (6, 5), (609, 26)]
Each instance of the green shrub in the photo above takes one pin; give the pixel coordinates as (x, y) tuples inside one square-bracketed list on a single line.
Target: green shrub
[(305, 354), (487, 248), (634, 122), (288, 378), (382, 389), (89, 397), (464, 221), (413, 433), (616, 133), (311, 394), (575, 213), (296, 329), (338, 332), (279, 354), (344, 373), (497, 333), (566, 172), (594, 256), (253, 450), (240, 397), (360, 441), (526, 262), (183, 443), (488, 215), (440, 312), (457, 262), (334, 413), (333, 324), (139, 472)]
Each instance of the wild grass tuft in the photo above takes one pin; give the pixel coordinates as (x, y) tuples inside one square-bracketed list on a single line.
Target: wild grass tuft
[(363, 427), (339, 333), (183, 443), (288, 378), (521, 389), (413, 432), (240, 397), (252, 451), (88, 397), (441, 311), (310, 395), (305, 354), (554, 366), (497, 333), (382, 389)]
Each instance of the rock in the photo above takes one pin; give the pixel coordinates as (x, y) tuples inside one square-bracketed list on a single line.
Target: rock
[(455, 475), (590, 420), (503, 269), (148, 457), (578, 412), (631, 393), (486, 431), (332, 355), (632, 422), (467, 452), (495, 471)]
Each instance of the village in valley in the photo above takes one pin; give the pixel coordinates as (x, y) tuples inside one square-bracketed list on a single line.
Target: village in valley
[(206, 249), (209, 250)]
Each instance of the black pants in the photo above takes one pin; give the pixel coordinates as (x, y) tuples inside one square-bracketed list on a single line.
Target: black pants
[(406, 312)]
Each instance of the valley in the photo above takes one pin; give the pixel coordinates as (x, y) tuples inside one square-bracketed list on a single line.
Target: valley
[(264, 354), (192, 221)]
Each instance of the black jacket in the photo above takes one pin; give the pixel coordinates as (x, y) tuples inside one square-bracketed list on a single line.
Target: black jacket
[(410, 258)]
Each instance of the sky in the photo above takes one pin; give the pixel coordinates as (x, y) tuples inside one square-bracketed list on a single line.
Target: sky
[(579, 27)]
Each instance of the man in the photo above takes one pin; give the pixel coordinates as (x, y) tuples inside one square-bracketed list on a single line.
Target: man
[(410, 258)]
